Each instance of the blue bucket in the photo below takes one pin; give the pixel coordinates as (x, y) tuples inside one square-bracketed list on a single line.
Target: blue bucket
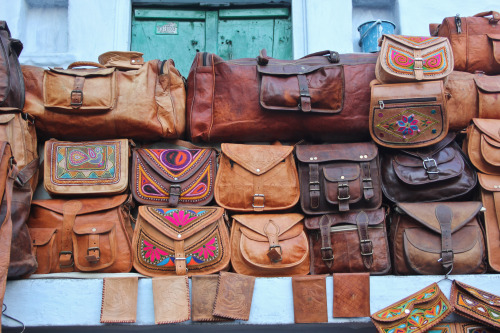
[(371, 31)]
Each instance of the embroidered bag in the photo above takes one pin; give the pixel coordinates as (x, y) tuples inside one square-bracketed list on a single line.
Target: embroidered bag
[(187, 240), (482, 145), (413, 58), (416, 313), (86, 168), (408, 115), (490, 197)]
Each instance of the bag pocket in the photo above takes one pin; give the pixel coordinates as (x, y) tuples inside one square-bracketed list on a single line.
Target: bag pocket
[(342, 183), (488, 93), (43, 248), (495, 42)]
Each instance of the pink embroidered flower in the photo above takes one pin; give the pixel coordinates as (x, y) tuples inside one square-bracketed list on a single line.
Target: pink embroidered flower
[(180, 218), (407, 125), (206, 250), (151, 252)]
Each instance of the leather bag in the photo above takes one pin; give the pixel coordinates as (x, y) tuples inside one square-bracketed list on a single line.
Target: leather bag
[(339, 177), (11, 77), (475, 41), (440, 172), (269, 245), (322, 96), (351, 242), (82, 235), (86, 168), (482, 145), (256, 178), (490, 196), (100, 103), (189, 240), (437, 238), (408, 115), (413, 58)]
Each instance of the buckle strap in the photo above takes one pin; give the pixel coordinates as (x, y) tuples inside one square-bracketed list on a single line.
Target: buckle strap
[(367, 181), (325, 222), (444, 216), (343, 196), (418, 65), (173, 195), (70, 211), (431, 168), (365, 244), (180, 258), (272, 231), (314, 186), (76, 95), (93, 251), (305, 97)]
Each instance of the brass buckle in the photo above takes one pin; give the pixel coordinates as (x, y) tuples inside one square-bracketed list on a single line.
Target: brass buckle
[(341, 185), (71, 258), (281, 252), (263, 200), (325, 249), (94, 249), (433, 164), (363, 241), (74, 92)]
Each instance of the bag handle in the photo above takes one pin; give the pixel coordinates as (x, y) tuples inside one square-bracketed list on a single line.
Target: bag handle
[(332, 56), (85, 63), (495, 16)]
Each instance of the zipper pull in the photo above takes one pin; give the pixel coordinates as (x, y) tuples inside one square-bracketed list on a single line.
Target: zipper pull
[(458, 23), (381, 104)]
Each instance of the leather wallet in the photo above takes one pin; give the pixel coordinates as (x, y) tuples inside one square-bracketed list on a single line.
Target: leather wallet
[(461, 328), (171, 299), (119, 300), (203, 292), (351, 295), (309, 299), (234, 296)]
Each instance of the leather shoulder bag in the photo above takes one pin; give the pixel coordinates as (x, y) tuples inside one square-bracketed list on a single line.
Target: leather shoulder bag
[(11, 76), (186, 240), (269, 245), (437, 238), (339, 177), (490, 196), (482, 145)]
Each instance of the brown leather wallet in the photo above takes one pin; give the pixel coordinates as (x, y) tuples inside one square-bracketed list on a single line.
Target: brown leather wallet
[(171, 299), (309, 299), (351, 295), (234, 296), (119, 300), (203, 292)]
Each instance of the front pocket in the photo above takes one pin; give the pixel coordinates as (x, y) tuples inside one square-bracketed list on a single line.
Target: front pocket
[(94, 245), (43, 248), (342, 183)]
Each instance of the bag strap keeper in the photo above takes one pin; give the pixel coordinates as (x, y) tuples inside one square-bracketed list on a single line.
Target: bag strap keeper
[(325, 224)]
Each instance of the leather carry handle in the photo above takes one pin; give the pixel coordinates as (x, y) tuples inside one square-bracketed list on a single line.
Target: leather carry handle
[(85, 63), (495, 16), (333, 57)]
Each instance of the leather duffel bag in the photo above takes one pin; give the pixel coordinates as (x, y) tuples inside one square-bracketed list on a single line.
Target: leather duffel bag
[(11, 77), (490, 196), (482, 145), (437, 238), (322, 96)]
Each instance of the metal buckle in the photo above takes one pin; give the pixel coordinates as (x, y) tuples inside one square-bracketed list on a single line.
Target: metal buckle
[(314, 183), (327, 259), (174, 186), (447, 251), (367, 187), (363, 241), (263, 200), (340, 185), (80, 92), (281, 252), (71, 258), (94, 249), (430, 160)]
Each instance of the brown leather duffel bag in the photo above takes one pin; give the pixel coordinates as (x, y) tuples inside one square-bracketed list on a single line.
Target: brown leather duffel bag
[(11, 77), (322, 96)]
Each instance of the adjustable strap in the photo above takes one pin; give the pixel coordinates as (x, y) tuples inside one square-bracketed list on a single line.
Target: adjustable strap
[(418, 65), (180, 258), (272, 231), (367, 182), (27, 172), (77, 92), (444, 216), (314, 188), (93, 251), (66, 259), (343, 196), (431, 167), (305, 96), (325, 223), (365, 244), (496, 199), (173, 196)]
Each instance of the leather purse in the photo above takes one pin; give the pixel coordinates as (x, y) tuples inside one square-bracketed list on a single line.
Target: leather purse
[(269, 245), (339, 177), (408, 115), (256, 178), (187, 240), (440, 172), (416, 313), (437, 238), (82, 235), (11, 77), (413, 58), (350, 242), (86, 168), (475, 41), (482, 145), (490, 197)]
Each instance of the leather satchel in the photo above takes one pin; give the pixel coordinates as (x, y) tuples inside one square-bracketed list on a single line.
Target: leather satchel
[(82, 235), (413, 58), (482, 145), (269, 245), (408, 115), (188, 240), (11, 77), (256, 178), (322, 96), (475, 41), (351, 242), (490, 196), (86, 168), (437, 238), (439, 172), (339, 177)]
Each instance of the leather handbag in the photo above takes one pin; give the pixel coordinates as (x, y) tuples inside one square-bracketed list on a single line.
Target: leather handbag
[(173, 176), (482, 145), (440, 172), (82, 235), (490, 196), (322, 96), (408, 115), (269, 245), (100, 103), (11, 77), (256, 178), (339, 177), (437, 238), (475, 41), (86, 168), (188, 240), (413, 58), (350, 242)]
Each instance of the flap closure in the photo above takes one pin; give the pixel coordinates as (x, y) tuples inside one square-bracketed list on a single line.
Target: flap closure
[(6, 117), (490, 127), (489, 182), (342, 172), (375, 217), (490, 150), (181, 222), (490, 84), (416, 42), (425, 213), (84, 227), (359, 152), (257, 224), (257, 159), (495, 40), (41, 236), (441, 157), (482, 295), (87, 72), (88, 205), (420, 238)]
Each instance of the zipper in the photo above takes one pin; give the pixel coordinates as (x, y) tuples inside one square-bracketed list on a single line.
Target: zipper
[(382, 103), (458, 23), (350, 228), (161, 67)]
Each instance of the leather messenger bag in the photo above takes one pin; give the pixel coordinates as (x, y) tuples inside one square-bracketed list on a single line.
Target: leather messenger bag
[(490, 196), (482, 145), (321, 96)]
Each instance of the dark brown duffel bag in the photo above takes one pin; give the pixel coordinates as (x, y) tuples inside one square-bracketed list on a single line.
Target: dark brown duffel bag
[(322, 96), (11, 77)]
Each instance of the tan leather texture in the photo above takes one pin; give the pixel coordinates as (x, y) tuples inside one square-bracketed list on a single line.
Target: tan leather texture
[(351, 242), (234, 296), (413, 58), (475, 41), (256, 178), (102, 103), (309, 299), (123, 60), (488, 93), (82, 235), (119, 299), (188, 240), (339, 177), (351, 295), (482, 145), (408, 115), (251, 100), (171, 299), (461, 98), (437, 238), (86, 168), (203, 293), (490, 197), (269, 245), (11, 78)]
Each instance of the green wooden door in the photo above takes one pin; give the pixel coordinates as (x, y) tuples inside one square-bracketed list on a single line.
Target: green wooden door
[(231, 33)]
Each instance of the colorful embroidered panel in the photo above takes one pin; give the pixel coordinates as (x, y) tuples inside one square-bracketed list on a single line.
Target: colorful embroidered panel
[(460, 328), (418, 41), (178, 220), (402, 61), (399, 308), (176, 163), (478, 307)]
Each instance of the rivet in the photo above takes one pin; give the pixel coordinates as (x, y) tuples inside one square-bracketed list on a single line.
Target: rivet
[(407, 311), (311, 158), (496, 186), (133, 61), (302, 67), (315, 158), (94, 229), (342, 177), (366, 156), (360, 156), (179, 236), (258, 170), (175, 178)]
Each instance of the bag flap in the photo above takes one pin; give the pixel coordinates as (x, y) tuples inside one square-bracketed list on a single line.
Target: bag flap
[(490, 150), (257, 159), (181, 222), (359, 152), (89, 205), (375, 217), (489, 182), (416, 42), (83, 71), (466, 238), (441, 157), (82, 227), (41, 236), (490, 84), (425, 214), (6, 117), (495, 40), (481, 295), (490, 127), (257, 224), (342, 172)]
